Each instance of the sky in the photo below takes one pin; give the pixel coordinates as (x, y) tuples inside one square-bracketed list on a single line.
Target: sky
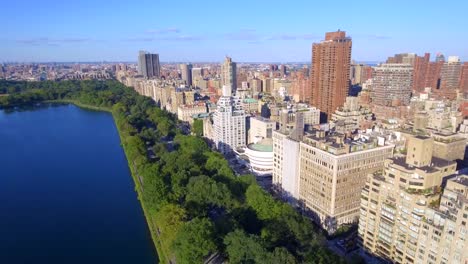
[(207, 30)]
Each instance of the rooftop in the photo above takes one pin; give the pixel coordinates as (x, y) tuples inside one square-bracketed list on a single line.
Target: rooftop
[(462, 179), (436, 163), (265, 145)]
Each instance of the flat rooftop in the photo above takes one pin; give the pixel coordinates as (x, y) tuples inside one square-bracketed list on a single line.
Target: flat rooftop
[(265, 145), (436, 163)]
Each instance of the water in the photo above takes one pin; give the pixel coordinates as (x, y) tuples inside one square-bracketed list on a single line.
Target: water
[(66, 194)]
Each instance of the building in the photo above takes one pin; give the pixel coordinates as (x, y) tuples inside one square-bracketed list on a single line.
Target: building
[(260, 128), (450, 74), (402, 58), (229, 128), (333, 172), (331, 60), (185, 113), (186, 73), (250, 105), (286, 159), (229, 74), (449, 146), (419, 72), (464, 79), (400, 217), (260, 155), (351, 116), (392, 84), (148, 65)]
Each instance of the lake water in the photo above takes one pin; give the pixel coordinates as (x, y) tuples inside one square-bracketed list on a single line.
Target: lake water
[(66, 194)]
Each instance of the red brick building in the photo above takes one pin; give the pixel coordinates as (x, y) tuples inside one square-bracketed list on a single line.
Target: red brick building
[(331, 61)]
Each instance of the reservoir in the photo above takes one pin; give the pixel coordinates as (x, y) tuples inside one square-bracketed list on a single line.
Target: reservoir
[(66, 193)]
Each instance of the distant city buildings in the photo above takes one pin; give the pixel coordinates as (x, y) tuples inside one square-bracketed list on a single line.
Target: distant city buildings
[(148, 65), (229, 74), (383, 155), (186, 73)]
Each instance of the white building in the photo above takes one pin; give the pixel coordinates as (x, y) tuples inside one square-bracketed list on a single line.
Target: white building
[(286, 166), (229, 123), (260, 128), (260, 156)]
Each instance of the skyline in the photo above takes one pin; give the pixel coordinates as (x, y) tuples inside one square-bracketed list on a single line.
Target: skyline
[(208, 31)]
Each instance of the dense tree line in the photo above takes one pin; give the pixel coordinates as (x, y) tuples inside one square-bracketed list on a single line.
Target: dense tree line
[(197, 205)]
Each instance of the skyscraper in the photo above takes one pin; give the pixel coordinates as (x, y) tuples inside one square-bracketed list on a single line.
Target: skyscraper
[(419, 72), (331, 60), (391, 84), (148, 65), (229, 123), (464, 78), (450, 73), (229, 74), (186, 72)]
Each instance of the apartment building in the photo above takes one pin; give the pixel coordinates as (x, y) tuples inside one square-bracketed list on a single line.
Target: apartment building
[(400, 218), (332, 173)]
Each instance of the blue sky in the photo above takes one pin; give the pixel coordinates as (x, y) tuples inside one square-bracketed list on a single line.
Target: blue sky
[(207, 30)]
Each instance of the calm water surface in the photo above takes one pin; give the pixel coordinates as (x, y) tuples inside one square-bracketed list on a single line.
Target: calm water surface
[(66, 194)]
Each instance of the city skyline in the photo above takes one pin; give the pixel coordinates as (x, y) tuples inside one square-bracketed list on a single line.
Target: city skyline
[(247, 32)]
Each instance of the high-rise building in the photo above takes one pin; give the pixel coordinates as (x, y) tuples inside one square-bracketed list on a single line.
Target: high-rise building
[(148, 65), (229, 129), (229, 74), (186, 73), (440, 57), (419, 72), (464, 78), (401, 219), (283, 70), (391, 84), (450, 73), (331, 60), (432, 78), (405, 58)]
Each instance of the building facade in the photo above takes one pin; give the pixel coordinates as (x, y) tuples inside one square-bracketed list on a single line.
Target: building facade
[(148, 65), (332, 174), (392, 84), (186, 73), (331, 61), (229, 129), (400, 218), (229, 74)]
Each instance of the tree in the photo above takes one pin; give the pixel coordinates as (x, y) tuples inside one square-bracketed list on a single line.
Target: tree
[(265, 206), (281, 256), (155, 189), (208, 193), (170, 219), (197, 127), (195, 241), (243, 248)]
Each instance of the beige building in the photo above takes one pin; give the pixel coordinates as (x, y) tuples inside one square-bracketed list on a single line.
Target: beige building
[(332, 174), (449, 146), (185, 112), (351, 116), (260, 128), (398, 219)]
